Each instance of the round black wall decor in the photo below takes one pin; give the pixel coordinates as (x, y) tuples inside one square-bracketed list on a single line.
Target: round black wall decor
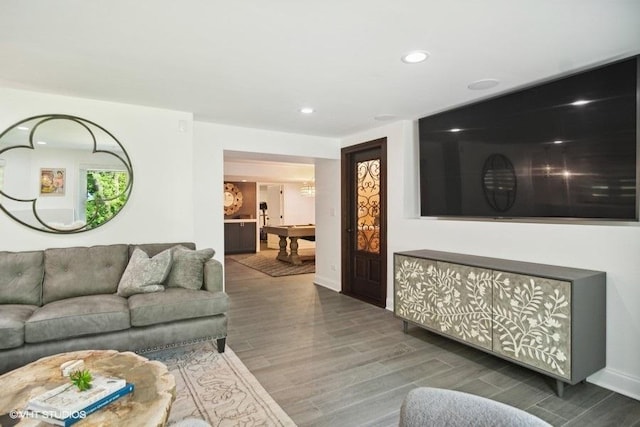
[(499, 182)]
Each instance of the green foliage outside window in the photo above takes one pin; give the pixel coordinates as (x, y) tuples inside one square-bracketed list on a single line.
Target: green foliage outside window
[(106, 195)]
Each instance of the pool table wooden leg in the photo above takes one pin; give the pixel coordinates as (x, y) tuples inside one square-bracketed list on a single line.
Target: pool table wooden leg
[(294, 257), (282, 254)]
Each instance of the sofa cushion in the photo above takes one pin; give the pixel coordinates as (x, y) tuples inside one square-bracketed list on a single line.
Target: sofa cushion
[(187, 269), (74, 317), (12, 318), (153, 249), (144, 274), (79, 271), (21, 277), (175, 304)]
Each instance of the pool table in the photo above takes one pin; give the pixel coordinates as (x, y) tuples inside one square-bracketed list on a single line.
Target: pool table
[(293, 232)]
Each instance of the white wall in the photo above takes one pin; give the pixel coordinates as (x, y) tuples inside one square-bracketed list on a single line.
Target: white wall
[(614, 249), (212, 140), (261, 171), (328, 226), (161, 206), (297, 208)]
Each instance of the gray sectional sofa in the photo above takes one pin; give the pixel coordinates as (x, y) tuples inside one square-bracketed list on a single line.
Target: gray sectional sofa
[(67, 299)]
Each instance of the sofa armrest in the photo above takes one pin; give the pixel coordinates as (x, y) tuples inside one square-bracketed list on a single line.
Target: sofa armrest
[(213, 275)]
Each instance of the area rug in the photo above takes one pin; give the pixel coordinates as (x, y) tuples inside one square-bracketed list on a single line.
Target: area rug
[(217, 388), (267, 263)]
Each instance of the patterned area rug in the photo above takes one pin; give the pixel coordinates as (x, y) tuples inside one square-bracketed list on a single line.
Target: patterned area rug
[(266, 262), (217, 388)]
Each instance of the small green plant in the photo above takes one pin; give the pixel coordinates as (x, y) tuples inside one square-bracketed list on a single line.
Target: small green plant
[(81, 379)]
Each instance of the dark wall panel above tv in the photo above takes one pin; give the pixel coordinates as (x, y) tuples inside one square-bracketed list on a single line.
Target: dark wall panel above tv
[(563, 149)]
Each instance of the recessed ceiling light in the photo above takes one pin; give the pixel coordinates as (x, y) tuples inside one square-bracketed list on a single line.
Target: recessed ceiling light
[(558, 141), (455, 130), (580, 102), (483, 84), (41, 142), (415, 56), (306, 110), (384, 117)]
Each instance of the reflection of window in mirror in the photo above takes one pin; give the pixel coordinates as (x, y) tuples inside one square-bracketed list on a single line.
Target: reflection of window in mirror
[(105, 194)]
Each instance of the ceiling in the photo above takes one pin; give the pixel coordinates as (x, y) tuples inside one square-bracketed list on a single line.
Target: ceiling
[(255, 63)]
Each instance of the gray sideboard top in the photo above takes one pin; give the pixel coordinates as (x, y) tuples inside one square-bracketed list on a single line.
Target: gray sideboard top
[(521, 267)]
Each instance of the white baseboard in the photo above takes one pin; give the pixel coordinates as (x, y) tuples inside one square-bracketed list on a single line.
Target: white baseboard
[(617, 381), (327, 283), (389, 304)]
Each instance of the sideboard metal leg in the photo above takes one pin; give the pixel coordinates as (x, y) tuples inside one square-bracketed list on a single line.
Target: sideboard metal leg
[(559, 388), (405, 326)]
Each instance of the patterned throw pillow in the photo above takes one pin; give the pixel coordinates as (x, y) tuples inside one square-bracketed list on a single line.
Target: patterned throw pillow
[(188, 267), (144, 274)]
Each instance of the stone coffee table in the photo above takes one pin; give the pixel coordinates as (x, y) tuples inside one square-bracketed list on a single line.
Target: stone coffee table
[(148, 405)]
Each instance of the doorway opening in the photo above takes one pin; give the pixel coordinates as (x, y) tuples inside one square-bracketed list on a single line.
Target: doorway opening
[(282, 196)]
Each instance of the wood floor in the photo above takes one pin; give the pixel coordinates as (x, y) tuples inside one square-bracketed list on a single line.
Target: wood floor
[(330, 360)]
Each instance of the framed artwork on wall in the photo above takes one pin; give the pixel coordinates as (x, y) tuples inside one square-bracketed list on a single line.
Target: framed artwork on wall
[(52, 181)]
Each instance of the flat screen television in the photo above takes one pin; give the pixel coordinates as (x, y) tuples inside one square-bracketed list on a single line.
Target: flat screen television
[(565, 149)]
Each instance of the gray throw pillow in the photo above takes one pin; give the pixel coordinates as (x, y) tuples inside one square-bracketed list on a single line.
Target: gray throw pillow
[(188, 267), (144, 274)]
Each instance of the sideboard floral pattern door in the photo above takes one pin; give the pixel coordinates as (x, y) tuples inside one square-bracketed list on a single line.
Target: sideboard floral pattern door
[(531, 322), (452, 299), (520, 317)]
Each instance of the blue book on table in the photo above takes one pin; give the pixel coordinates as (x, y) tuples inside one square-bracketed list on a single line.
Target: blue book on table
[(80, 415)]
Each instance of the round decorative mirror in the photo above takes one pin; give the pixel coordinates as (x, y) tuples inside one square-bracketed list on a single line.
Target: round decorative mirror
[(232, 198), (62, 174)]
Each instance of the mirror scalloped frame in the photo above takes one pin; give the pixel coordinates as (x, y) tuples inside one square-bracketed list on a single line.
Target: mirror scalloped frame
[(91, 128)]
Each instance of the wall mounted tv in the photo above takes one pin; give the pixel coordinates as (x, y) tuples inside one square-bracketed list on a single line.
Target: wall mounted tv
[(565, 149)]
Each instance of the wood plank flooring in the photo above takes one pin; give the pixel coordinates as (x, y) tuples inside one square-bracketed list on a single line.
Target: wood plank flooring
[(330, 360)]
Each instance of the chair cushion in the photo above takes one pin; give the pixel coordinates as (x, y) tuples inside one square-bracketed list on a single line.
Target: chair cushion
[(144, 274), (187, 269), (21, 277), (175, 304), (74, 272), (74, 317), (426, 406), (12, 318)]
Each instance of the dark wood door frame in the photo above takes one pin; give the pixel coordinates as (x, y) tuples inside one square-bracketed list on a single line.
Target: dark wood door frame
[(346, 203)]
